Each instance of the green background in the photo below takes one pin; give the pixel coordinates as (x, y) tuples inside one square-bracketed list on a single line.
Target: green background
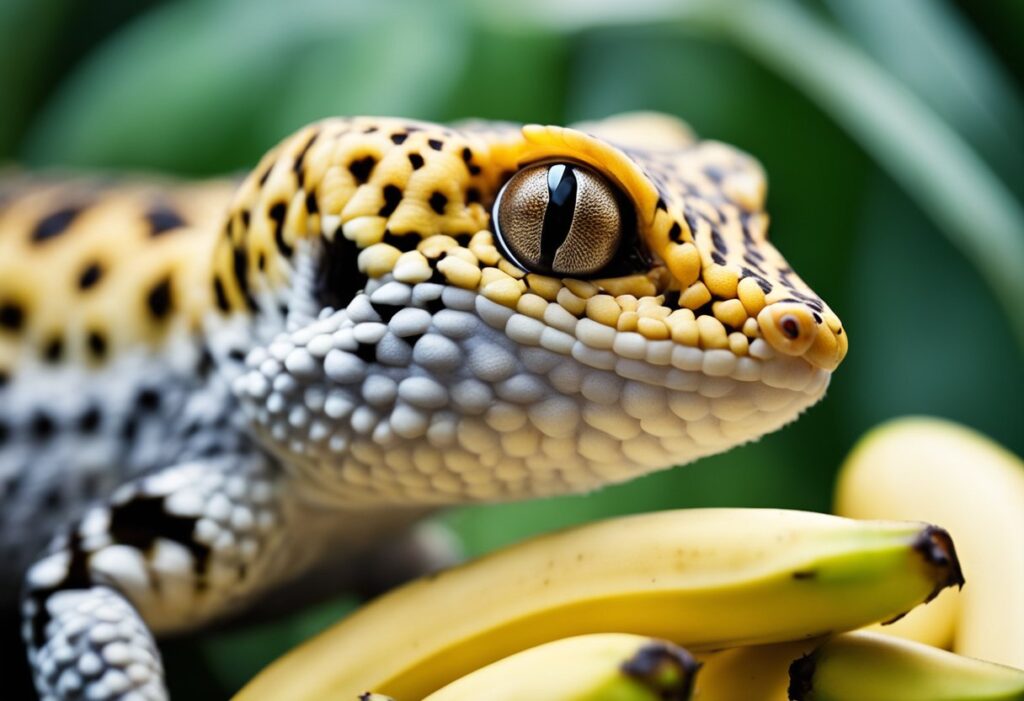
[(892, 132)]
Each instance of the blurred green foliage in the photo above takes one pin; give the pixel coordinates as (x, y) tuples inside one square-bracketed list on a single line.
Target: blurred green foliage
[(908, 227)]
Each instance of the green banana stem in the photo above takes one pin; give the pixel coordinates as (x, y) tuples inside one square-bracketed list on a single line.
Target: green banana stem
[(868, 666)]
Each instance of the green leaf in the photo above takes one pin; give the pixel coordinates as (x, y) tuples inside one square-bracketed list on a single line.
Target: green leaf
[(28, 32), (930, 47), (203, 86)]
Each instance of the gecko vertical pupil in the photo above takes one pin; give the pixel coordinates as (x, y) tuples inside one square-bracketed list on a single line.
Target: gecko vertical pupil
[(559, 218)]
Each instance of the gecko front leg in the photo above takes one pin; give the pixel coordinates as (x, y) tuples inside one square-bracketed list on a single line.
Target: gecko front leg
[(167, 553)]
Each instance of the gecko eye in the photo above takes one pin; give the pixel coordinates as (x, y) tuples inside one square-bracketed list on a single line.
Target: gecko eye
[(559, 218)]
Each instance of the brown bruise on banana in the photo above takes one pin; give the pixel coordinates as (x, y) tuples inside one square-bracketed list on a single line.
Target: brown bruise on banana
[(415, 199), (89, 270)]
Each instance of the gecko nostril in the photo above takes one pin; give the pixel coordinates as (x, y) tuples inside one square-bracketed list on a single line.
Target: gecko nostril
[(790, 326)]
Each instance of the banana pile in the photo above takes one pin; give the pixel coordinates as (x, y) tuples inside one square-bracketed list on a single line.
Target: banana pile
[(720, 604)]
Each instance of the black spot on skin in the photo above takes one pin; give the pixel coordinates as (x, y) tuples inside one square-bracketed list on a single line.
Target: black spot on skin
[(403, 242), (718, 242), (277, 213), (311, 205), (386, 311), (362, 168), (241, 268), (52, 498), (54, 224), (143, 519), (754, 264), (76, 577), (12, 316), (675, 234), (661, 205), (339, 280), (237, 354), (473, 195), (148, 400), (91, 274), (367, 351), (266, 174), (159, 300), (41, 426), (54, 350), (714, 173), (467, 156), (765, 286), (90, 420), (435, 144), (805, 574), (416, 160), (245, 217), (205, 364), (261, 261), (717, 257), (369, 130), (129, 429), (392, 197), (97, 344), (163, 219), (300, 176), (817, 317), (91, 483), (438, 202), (399, 138), (218, 292)]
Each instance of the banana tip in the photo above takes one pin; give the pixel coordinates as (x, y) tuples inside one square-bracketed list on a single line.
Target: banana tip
[(801, 677), (666, 668), (936, 546)]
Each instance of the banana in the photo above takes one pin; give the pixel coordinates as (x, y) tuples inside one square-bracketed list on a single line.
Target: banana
[(754, 673), (872, 667), (596, 667), (937, 471), (703, 578)]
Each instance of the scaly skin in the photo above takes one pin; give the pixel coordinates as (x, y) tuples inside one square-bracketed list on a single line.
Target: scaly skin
[(206, 396)]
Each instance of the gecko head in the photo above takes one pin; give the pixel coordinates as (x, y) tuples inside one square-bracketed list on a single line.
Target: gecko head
[(492, 311)]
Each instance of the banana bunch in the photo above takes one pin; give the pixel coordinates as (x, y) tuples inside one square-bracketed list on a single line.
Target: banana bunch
[(716, 604), (703, 578)]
